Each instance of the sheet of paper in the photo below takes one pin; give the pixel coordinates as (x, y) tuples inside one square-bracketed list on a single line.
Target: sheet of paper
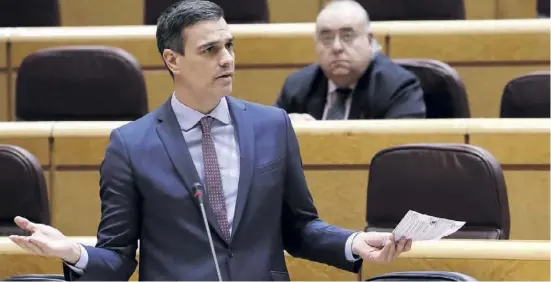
[(421, 227)]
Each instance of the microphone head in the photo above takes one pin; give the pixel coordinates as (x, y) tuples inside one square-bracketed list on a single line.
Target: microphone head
[(198, 190)]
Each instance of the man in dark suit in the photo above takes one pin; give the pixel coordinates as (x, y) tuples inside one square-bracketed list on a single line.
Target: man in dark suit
[(353, 79), (246, 155)]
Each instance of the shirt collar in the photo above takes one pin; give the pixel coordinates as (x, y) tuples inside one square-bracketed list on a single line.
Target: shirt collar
[(332, 87), (188, 117)]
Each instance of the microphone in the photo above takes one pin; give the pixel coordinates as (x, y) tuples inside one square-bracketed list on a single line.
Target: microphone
[(198, 193)]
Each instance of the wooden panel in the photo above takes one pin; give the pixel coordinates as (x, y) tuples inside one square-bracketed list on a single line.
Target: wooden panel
[(292, 11), (476, 9), (516, 9), (138, 40), (159, 86), (75, 195), (305, 270), (4, 97), (340, 196), (101, 12), (485, 85), (513, 141), (71, 139), (528, 193), (484, 260), (472, 41), (358, 141), (260, 85), (31, 136)]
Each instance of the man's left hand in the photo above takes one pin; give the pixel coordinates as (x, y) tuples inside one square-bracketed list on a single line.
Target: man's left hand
[(379, 246)]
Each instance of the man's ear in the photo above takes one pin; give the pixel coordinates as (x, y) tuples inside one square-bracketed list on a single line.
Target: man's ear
[(370, 37), (171, 59)]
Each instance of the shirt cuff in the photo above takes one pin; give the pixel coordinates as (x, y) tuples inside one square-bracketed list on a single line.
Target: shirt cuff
[(82, 262), (348, 248)]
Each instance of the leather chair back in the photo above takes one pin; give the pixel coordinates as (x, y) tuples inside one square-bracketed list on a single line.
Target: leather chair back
[(29, 13), (454, 181), (418, 10), (542, 8), (78, 83), (526, 96), (235, 11), (23, 190), (444, 92)]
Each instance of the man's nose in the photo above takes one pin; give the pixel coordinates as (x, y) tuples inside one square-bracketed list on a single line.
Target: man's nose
[(226, 58), (337, 45)]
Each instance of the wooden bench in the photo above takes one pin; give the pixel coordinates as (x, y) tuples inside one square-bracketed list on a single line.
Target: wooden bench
[(521, 146), (485, 260), (486, 54)]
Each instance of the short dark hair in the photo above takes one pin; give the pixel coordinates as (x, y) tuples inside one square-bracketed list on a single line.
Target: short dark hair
[(180, 15)]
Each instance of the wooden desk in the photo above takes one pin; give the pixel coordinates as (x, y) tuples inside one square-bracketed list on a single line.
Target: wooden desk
[(522, 147), (483, 259)]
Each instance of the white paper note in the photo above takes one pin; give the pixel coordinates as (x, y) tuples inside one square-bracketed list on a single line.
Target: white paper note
[(421, 227)]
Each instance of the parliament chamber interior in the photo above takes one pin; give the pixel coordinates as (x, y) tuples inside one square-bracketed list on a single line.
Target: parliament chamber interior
[(71, 71)]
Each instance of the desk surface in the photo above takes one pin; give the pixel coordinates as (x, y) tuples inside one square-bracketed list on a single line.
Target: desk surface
[(468, 249)]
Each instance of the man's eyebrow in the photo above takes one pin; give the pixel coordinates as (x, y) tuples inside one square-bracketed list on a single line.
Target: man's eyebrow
[(346, 29), (214, 42), (208, 44)]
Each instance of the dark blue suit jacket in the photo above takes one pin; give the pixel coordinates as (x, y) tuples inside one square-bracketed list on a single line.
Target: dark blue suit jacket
[(385, 91), (146, 194)]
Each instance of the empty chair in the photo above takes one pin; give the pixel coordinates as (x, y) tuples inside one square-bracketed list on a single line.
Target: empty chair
[(29, 13), (408, 10), (444, 91), (543, 8), (80, 83), (235, 11), (526, 96), (23, 189), (455, 181), (422, 276)]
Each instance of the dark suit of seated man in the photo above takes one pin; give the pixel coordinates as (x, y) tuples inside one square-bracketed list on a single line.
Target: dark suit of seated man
[(257, 202), (353, 79)]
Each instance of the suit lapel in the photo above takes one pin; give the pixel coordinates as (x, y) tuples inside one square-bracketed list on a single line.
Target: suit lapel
[(316, 102), (244, 125), (170, 134)]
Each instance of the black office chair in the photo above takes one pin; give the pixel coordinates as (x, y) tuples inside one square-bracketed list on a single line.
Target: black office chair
[(422, 276), (36, 277)]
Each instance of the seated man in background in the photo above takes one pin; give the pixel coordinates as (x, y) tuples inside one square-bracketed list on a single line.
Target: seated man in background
[(353, 79)]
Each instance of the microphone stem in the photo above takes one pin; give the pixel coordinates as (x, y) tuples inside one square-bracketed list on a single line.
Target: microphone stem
[(210, 242)]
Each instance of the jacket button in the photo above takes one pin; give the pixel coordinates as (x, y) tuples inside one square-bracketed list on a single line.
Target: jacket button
[(230, 254)]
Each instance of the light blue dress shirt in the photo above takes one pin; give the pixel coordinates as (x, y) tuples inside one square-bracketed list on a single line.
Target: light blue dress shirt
[(227, 152)]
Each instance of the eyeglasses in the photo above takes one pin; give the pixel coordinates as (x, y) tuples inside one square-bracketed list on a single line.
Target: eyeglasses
[(327, 38)]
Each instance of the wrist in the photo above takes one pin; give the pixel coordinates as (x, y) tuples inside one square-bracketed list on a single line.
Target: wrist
[(74, 254), (353, 245)]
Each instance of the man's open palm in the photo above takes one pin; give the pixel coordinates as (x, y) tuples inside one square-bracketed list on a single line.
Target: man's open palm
[(46, 241)]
